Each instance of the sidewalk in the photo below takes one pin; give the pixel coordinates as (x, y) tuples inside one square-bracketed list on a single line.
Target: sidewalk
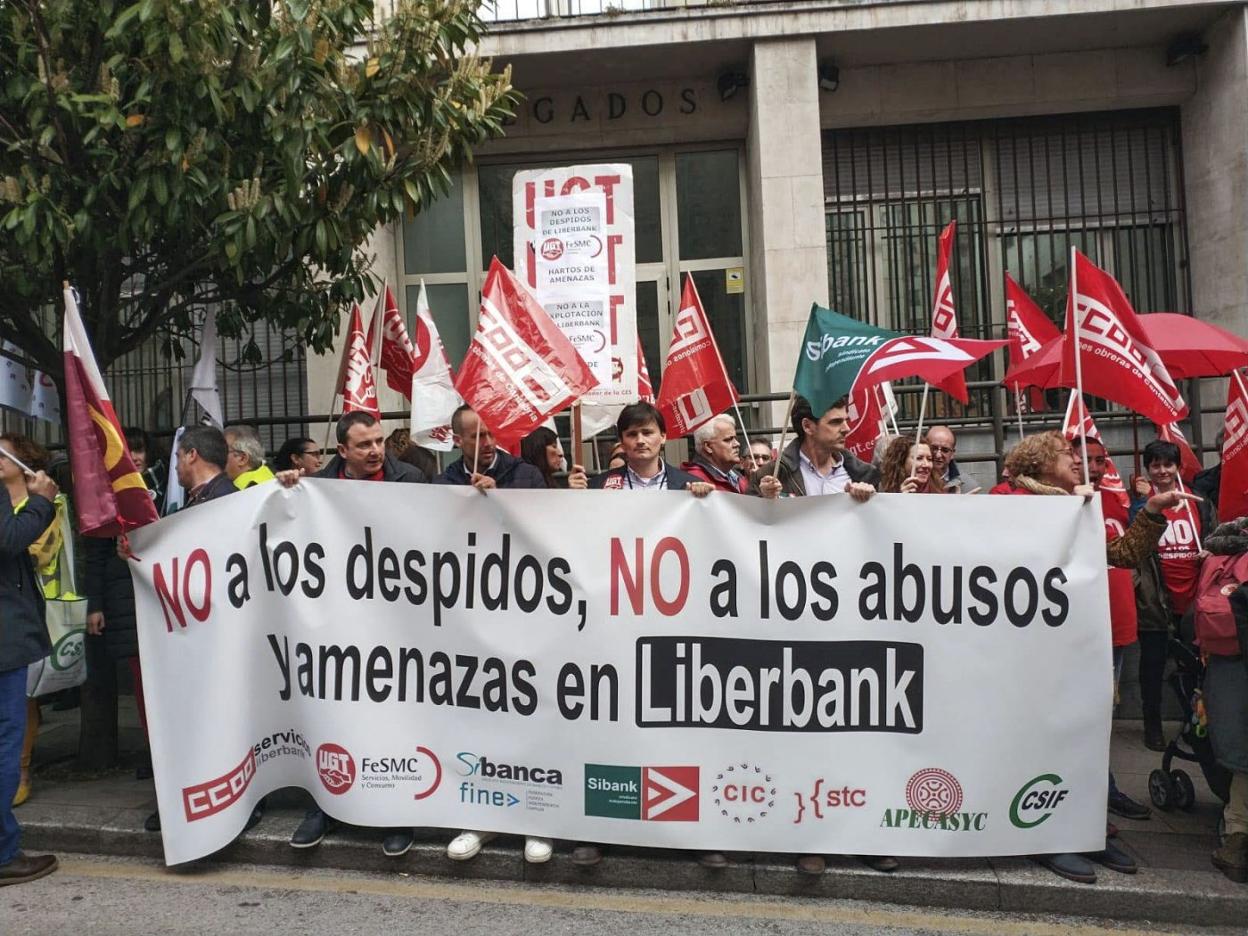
[(103, 814)]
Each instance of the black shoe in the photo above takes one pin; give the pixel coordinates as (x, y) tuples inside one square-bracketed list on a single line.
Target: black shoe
[(25, 868), (257, 813), (398, 843), (586, 856), (1122, 805), (1115, 859), (310, 832), (1072, 867), (152, 822), (885, 863), (1154, 737)]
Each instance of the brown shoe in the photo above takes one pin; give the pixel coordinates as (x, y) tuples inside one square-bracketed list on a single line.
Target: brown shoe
[(25, 868), (1232, 858), (586, 856), (813, 865), (714, 860)]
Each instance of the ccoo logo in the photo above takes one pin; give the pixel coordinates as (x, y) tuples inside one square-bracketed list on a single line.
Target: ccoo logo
[(336, 768)]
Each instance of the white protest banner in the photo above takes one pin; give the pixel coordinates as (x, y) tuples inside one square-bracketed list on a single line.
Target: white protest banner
[(574, 248), (730, 673)]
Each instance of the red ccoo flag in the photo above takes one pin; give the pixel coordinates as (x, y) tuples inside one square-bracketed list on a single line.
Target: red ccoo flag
[(1115, 360), (1029, 330), (944, 315), (645, 389), (520, 368), (1233, 492), (397, 352), (695, 385), (110, 497), (355, 372), (1077, 413), (1189, 464)]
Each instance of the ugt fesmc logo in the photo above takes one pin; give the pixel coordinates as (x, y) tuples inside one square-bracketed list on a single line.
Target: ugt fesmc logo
[(209, 798), (336, 768), (744, 793), (934, 803), (1037, 800), (652, 794)]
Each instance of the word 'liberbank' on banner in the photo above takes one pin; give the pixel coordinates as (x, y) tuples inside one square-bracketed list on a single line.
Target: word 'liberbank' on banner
[(719, 674)]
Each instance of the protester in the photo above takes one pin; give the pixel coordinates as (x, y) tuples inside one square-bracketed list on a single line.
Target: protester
[(757, 454), (1208, 483), (1044, 464), (906, 468), (616, 459), (245, 461), (1179, 561), (717, 455), (362, 456), (816, 461), (541, 449), (23, 640), (643, 433), (298, 454), (1123, 622), (421, 458), (1226, 701), (941, 441), (398, 441), (481, 464), (148, 464)]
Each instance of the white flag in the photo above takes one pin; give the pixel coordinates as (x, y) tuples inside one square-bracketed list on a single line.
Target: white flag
[(434, 398), (204, 377), (15, 389), (45, 403)]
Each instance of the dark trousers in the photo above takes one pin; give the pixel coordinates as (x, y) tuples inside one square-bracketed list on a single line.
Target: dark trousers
[(12, 733), (1152, 669)]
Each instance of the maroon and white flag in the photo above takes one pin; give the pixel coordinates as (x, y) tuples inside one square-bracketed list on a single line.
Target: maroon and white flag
[(645, 389), (1029, 330), (1076, 414), (1233, 493), (396, 352), (695, 387), (433, 394), (944, 315), (355, 372)]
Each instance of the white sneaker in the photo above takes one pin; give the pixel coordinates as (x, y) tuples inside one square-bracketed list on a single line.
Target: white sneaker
[(467, 845), (538, 850)]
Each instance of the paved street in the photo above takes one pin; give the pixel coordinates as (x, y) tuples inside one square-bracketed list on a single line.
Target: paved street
[(105, 896)]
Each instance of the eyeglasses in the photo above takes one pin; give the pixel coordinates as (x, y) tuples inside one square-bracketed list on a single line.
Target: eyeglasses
[(310, 452), (945, 449)]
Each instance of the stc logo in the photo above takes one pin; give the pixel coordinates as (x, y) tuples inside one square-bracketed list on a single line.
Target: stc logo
[(208, 799), (336, 768), (744, 793), (1037, 800), (820, 799)]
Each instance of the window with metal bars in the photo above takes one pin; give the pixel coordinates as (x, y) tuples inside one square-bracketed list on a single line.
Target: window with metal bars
[(1023, 191)]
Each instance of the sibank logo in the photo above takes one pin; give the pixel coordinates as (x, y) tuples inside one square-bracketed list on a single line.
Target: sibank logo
[(336, 768), (651, 794), (811, 806), (744, 793), (1037, 800)]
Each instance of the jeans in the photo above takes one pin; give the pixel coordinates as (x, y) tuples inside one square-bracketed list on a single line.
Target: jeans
[(1153, 646), (12, 733)]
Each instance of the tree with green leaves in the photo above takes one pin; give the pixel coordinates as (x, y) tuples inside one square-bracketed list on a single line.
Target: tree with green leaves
[(165, 155)]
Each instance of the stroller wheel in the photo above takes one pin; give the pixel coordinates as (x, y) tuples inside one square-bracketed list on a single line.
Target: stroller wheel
[(1184, 790), (1161, 789)]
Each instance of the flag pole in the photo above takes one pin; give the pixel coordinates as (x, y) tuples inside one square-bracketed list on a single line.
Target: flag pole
[(476, 448), (1135, 438), (1018, 405), (918, 432), (889, 415), (784, 428), (723, 368), (1073, 299), (1187, 504), (578, 442)]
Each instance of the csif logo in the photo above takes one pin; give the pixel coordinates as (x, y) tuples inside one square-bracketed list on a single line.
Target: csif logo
[(336, 768), (1037, 800)]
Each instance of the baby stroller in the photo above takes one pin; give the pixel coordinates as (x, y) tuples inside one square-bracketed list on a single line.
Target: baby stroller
[(1172, 788)]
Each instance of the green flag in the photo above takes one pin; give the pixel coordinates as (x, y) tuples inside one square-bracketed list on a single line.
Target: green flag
[(834, 350)]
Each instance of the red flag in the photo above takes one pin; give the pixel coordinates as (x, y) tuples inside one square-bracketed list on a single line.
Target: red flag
[(645, 389), (355, 372), (1117, 362), (397, 352), (944, 315), (1029, 330), (110, 497), (695, 386), (1189, 464), (1076, 413), (520, 368), (1233, 492), (865, 422), (935, 360)]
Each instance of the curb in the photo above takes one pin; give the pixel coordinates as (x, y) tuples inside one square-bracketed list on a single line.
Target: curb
[(1158, 895)]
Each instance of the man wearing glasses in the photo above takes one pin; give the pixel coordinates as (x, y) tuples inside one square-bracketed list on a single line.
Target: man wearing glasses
[(941, 441)]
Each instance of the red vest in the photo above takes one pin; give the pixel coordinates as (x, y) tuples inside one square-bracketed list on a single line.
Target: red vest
[(1123, 623)]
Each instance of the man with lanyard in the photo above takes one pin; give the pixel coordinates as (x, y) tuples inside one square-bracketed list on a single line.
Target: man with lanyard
[(1122, 616), (361, 456), (717, 455), (643, 433)]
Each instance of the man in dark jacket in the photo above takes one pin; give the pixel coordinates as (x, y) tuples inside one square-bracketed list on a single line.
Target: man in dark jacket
[(23, 640), (482, 464), (716, 456), (643, 432), (816, 462)]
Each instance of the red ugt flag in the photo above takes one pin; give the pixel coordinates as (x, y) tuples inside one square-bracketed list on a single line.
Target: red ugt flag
[(1029, 330), (109, 494), (1233, 493), (520, 368), (1189, 464), (355, 372), (944, 315), (695, 386), (865, 422), (397, 352), (1117, 362), (1077, 413)]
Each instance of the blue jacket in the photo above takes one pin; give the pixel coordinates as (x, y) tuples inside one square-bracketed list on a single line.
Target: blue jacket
[(617, 479), (507, 472), (23, 631)]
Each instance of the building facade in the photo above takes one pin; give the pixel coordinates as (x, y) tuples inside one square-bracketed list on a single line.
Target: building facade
[(790, 151)]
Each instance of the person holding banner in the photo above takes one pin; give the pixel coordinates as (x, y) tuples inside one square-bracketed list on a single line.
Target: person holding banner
[(541, 449), (481, 463), (245, 461), (944, 445), (717, 456), (23, 640), (906, 468), (643, 433), (816, 461)]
